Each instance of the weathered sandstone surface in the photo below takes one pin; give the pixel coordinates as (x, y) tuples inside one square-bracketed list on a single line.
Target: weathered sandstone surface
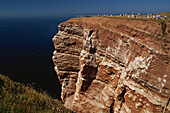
[(113, 65)]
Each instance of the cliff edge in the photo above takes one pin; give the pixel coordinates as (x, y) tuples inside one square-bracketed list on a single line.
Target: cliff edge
[(113, 65)]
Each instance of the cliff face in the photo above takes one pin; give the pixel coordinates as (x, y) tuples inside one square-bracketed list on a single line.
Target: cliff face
[(113, 65)]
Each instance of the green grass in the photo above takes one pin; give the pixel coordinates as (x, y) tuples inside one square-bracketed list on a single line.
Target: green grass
[(18, 98)]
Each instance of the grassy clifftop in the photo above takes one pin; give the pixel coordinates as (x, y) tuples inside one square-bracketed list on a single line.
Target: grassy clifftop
[(17, 98), (165, 13), (145, 19)]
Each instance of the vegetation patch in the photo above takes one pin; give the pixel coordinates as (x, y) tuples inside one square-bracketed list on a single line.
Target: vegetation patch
[(18, 98)]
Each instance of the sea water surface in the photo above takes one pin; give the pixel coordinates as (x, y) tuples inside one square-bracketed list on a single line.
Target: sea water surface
[(26, 50)]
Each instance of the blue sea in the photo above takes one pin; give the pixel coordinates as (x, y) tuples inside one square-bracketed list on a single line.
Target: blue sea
[(26, 50)]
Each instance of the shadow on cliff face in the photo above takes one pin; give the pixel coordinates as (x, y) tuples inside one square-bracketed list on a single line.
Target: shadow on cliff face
[(89, 73), (121, 96)]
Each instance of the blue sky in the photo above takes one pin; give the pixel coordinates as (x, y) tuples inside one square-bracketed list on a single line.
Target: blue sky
[(19, 8)]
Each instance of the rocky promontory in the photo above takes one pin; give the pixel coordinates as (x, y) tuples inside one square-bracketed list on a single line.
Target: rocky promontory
[(113, 65)]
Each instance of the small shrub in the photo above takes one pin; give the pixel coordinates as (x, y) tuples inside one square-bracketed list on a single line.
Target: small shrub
[(163, 27), (165, 44)]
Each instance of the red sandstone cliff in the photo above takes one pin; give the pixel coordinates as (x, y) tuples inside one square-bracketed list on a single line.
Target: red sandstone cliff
[(113, 65)]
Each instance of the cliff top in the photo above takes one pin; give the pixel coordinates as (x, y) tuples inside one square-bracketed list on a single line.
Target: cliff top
[(147, 33)]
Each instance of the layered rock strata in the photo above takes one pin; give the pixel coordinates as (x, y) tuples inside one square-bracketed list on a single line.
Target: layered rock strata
[(113, 65)]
